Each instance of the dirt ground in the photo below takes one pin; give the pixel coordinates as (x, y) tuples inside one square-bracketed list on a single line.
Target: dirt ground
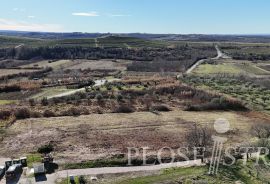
[(102, 135)]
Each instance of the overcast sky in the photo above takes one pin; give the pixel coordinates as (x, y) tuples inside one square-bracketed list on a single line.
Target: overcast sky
[(145, 16)]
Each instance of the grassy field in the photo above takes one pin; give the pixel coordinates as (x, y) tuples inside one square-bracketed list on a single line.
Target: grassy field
[(85, 137), (230, 67), (33, 158), (5, 102), (206, 69)]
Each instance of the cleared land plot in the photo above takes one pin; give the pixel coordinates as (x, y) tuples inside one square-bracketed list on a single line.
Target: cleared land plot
[(82, 64), (5, 72), (100, 65), (55, 64), (231, 67), (100, 135), (215, 69)]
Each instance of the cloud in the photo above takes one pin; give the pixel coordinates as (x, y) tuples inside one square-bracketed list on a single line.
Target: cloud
[(31, 16), (89, 14), (6, 24)]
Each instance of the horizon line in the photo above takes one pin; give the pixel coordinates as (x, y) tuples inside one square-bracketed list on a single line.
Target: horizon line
[(70, 32)]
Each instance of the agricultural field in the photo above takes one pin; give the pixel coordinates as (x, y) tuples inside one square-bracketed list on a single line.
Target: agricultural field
[(232, 67), (252, 94)]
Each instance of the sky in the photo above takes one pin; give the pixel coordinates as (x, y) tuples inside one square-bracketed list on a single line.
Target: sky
[(140, 16)]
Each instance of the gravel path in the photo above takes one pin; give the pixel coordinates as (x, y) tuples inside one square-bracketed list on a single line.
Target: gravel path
[(219, 55), (51, 178), (117, 170), (97, 83)]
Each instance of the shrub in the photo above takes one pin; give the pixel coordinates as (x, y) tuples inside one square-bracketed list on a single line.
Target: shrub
[(119, 97), (44, 102), (218, 104), (12, 88), (36, 114), (45, 149), (72, 112), (32, 102), (48, 113), (99, 97), (5, 114), (23, 113), (82, 180), (161, 108), (124, 109)]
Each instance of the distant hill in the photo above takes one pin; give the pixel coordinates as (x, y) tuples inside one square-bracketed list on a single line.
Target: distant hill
[(166, 37)]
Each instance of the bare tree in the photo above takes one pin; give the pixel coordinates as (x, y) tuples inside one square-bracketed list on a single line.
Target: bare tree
[(200, 138), (261, 131)]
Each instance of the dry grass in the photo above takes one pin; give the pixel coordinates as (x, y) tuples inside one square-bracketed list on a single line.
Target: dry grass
[(5, 72), (100, 65), (100, 135), (45, 63)]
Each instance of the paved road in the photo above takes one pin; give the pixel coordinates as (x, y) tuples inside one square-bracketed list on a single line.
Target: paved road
[(219, 56), (18, 46)]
